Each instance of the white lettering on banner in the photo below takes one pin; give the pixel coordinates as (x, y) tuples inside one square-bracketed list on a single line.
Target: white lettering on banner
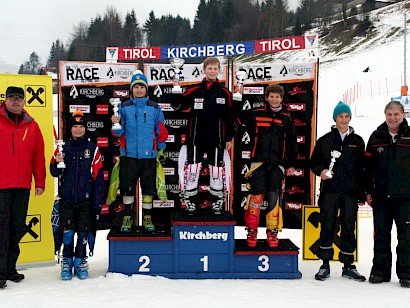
[(279, 45), (205, 51), (166, 107), (141, 53), (92, 92), (253, 90), (176, 123), (201, 235)]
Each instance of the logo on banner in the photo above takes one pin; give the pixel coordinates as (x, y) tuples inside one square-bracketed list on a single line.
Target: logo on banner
[(283, 71), (36, 96), (300, 70), (311, 39), (83, 74), (204, 188), (298, 173), (173, 188), (247, 105), (258, 104), (121, 93), (196, 73), (160, 204), (83, 108), (297, 107), (293, 205), (296, 91), (253, 90), (110, 73), (299, 123), (166, 107), (301, 157), (73, 92), (244, 187), (169, 171), (112, 51), (171, 138), (246, 154), (158, 91), (91, 92), (176, 123), (102, 142), (301, 139), (245, 169), (102, 109), (245, 138), (295, 190), (92, 126), (172, 155), (32, 229)]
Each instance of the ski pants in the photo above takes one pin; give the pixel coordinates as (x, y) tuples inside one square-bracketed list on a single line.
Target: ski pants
[(385, 211), (13, 213), (330, 204)]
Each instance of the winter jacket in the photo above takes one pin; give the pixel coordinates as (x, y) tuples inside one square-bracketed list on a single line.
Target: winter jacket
[(348, 177), (272, 134), (209, 107), (83, 178), (22, 152), (143, 131), (388, 163)]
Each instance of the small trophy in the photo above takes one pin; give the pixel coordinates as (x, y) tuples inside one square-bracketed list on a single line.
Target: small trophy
[(240, 77), (60, 143), (115, 102), (177, 64), (335, 154)]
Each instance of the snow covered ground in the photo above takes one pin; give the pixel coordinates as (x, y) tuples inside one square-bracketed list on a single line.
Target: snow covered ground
[(43, 287)]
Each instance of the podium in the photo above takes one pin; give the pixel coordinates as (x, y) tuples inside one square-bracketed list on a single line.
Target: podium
[(201, 246)]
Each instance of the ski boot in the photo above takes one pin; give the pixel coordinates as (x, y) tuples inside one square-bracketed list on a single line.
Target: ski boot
[(272, 238), (323, 273), (126, 224), (81, 268), (190, 207), (252, 238), (147, 223), (217, 207), (66, 268)]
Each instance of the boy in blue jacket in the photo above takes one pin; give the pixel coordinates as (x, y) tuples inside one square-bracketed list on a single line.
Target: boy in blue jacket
[(142, 138)]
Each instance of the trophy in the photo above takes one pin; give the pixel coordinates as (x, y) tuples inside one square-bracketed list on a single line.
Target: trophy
[(115, 102), (335, 154), (240, 77), (60, 143), (177, 64)]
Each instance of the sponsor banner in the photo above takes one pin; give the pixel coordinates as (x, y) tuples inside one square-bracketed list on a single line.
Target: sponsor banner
[(83, 108), (158, 74), (266, 72), (176, 123), (102, 142), (253, 90), (133, 53), (293, 206), (121, 93), (311, 233), (159, 204), (93, 73), (210, 50), (91, 92), (102, 109)]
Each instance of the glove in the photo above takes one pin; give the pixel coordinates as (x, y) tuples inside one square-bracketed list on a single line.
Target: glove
[(161, 156)]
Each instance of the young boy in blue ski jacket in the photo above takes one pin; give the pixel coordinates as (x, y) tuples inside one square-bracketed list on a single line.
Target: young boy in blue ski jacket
[(142, 138), (81, 192)]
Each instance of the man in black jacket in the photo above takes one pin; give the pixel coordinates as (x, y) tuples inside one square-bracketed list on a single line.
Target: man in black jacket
[(388, 192), (341, 188)]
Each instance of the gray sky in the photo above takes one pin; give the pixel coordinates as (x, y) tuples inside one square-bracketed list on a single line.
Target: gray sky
[(27, 26)]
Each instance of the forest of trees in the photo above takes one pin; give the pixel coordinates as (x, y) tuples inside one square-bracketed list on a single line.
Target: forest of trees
[(215, 21)]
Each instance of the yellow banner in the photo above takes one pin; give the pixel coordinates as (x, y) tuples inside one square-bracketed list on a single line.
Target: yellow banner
[(37, 244), (311, 234)]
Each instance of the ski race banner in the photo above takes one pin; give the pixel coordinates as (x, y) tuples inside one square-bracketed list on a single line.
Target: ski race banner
[(307, 42), (89, 87), (299, 83), (37, 244)]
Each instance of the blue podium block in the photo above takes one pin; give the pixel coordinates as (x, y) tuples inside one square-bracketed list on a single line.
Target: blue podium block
[(141, 255), (200, 247)]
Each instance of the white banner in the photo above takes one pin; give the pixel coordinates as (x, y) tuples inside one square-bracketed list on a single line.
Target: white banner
[(158, 74), (95, 73), (265, 72)]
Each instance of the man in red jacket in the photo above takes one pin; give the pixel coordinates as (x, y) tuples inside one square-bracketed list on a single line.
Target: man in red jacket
[(21, 158)]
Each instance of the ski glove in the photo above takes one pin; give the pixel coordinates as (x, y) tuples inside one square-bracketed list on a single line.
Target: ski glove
[(161, 156)]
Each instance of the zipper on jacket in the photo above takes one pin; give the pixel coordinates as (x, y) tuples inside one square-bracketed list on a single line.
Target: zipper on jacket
[(194, 136), (220, 133), (145, 117), (12, 142)]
